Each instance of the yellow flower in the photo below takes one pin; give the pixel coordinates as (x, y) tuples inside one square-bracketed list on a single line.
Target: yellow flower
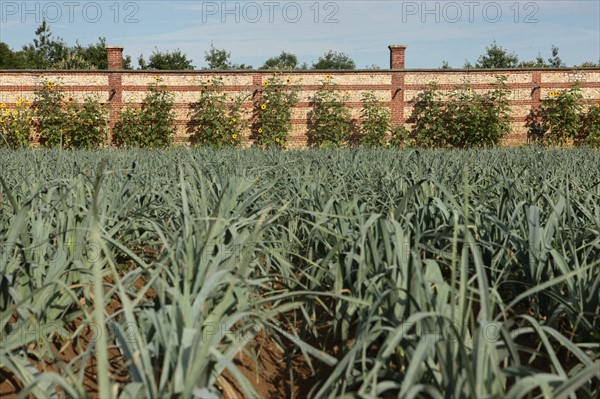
[(19, 102), (157, 79), (277, 139), (551, 94), (265, 84), (264, 106), (1, 120), (260, 130), (288, 80), (234, 136), (2, 105), (327, 76), (208, 81), (70, 99), (15, 112), (469, 89), (597, 105)]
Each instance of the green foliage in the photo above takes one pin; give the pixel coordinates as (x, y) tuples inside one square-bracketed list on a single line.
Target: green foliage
[(375, 121), (588, 64), (591, 126), (216, 118), (62, 122), (52, 121), (284, 61), (88, 127), (496, 57), (553, 62), (152, 125), (175, 60), (45, 51), (329, 121), (392, 273), (400, 137), (16, 125), (558, 120), (273, 110), (220, 59), (463, 119), (334, 60), (10, 59)]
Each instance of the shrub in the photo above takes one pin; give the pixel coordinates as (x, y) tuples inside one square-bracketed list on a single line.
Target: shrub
[(329, 122), (273, 112), (400, 137), (591, 126), (558, 120), (88, 124), (375, 121), (216, 119), (16, 124), (64, 123), (150, 126), (52, 121), (463, 119)]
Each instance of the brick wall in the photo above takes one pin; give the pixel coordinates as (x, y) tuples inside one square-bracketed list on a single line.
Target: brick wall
[(395, 87)]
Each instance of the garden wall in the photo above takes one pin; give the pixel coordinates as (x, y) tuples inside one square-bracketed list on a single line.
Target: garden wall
[(396, 87)]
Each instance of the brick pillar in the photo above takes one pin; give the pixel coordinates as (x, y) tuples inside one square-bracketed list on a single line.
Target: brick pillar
[(115, 57), (397, 58), (257, 86), (115, 87), (536, 101)]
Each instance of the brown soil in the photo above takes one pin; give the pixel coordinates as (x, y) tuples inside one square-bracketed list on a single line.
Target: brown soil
[(66, 351)]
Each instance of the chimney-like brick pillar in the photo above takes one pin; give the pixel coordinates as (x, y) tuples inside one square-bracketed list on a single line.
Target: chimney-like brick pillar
[(115, 85), (115, 57), (397, 56)]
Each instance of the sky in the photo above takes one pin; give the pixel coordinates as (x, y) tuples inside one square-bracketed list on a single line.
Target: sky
[(253, 31)]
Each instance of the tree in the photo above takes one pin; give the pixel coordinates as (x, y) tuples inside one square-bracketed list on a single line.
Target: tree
[(175, 60), (10, 59), (588, 64), (219, 59), (553, 62), (216, 58), (45, 51), (495, 57), (334, 60), (282, 61)]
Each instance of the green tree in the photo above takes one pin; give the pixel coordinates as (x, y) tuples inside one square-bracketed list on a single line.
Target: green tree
[(588, 64), (334, 60), (219, 59), (282, 61), (553, 62), (10, 59), (45, 51), (495, 57), (175, 60)]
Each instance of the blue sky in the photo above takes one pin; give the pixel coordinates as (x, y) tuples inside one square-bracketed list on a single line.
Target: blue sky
[(434, 31)]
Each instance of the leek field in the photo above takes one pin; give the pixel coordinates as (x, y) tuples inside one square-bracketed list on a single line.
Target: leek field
[(196, 273)]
